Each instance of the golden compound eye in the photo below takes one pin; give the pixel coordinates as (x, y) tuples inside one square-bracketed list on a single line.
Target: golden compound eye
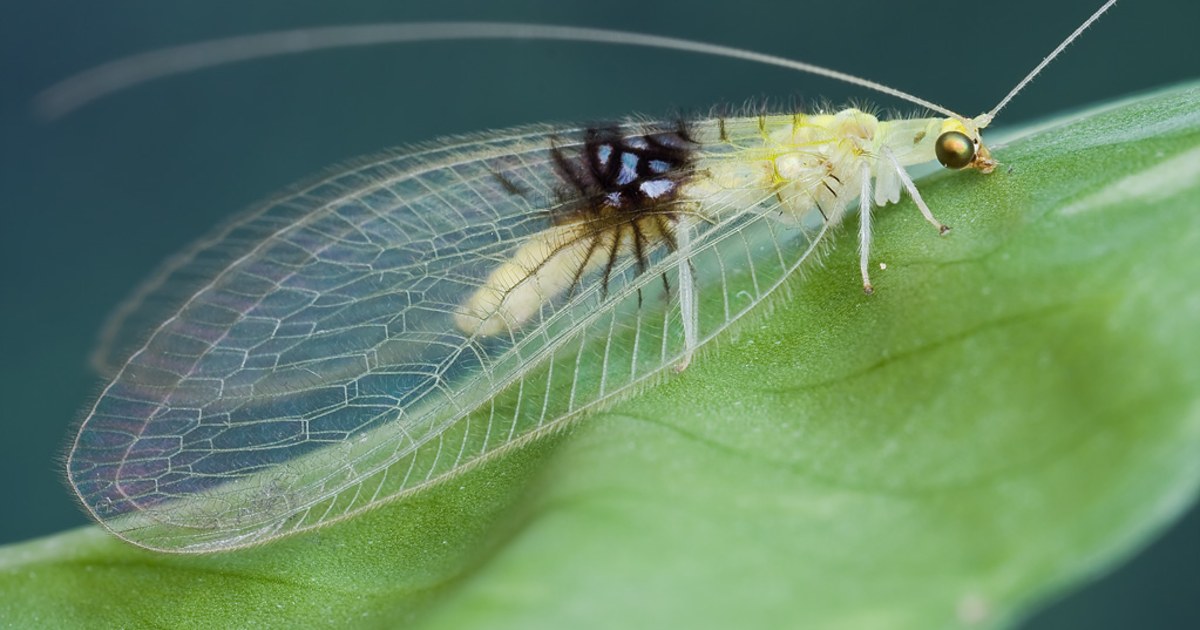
[(954, 149)]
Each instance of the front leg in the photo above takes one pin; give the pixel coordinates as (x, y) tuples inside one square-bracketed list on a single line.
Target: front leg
[(864, 229), (914, 193)]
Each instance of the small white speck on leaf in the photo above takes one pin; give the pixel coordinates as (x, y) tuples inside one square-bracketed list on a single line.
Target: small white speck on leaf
[(972, 609)]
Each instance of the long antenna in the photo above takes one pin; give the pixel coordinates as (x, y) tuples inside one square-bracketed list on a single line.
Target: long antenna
[(987, 118), (76, 91)]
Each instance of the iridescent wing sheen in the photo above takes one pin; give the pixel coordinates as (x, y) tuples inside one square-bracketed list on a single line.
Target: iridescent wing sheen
[(316, 368)]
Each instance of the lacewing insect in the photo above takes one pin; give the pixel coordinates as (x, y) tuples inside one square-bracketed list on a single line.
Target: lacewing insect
[(387, 326)]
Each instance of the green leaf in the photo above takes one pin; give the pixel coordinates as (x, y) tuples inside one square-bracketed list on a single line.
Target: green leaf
[(1016, 409)]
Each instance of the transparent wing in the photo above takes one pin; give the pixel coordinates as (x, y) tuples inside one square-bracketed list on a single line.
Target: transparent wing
[(159, 296), (328, 361)]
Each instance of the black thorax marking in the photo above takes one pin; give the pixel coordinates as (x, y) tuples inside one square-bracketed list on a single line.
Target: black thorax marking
[(624, 189), (629, 174)]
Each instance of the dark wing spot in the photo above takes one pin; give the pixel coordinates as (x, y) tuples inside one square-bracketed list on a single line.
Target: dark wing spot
[(511, 187)]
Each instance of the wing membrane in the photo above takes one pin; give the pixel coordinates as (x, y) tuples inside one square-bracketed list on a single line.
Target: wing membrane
[(318, 369)]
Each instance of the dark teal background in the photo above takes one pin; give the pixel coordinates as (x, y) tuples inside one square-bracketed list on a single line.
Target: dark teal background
[(91, 204)]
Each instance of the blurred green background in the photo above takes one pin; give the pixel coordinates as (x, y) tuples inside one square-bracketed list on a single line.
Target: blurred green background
[(91, 204)]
